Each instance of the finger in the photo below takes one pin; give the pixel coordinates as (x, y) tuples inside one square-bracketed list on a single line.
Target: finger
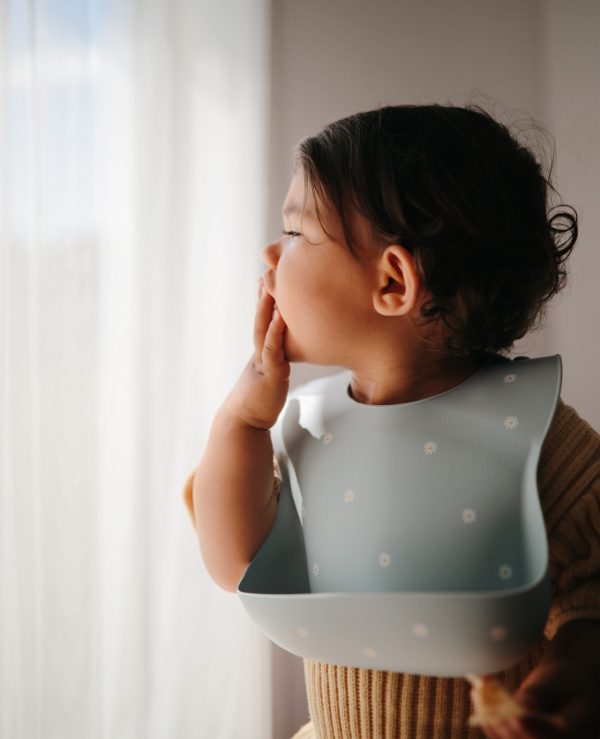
[(273, 354), (505, 730), (489, 732), (509, 729), (492, 732), (516, 729), (535, 728), (262, 319)]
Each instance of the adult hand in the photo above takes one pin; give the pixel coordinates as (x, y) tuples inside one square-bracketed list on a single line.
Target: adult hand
[(566, 693)]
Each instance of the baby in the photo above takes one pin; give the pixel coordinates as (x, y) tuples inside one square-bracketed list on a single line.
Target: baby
[(417, 244)]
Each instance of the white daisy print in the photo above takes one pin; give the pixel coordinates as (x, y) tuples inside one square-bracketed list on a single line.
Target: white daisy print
[(430, 447), (511, 377), (384, 559), (327, 439), (505, 572), (420, 630), (302, 632), (348, 496), (511, 422), (469, 516), (315, 569), (498, 633), (368, 652)]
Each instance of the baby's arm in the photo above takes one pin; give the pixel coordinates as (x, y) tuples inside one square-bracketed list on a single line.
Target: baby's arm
[(234, 501)]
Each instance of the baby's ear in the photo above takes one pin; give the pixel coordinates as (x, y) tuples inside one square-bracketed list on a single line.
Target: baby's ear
[(399, 285)]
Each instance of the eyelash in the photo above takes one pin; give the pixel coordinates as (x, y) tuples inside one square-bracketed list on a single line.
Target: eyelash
[(290, 233)]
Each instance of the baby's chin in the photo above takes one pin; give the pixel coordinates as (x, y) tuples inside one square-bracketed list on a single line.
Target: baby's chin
[(293, 352), (298, 353)]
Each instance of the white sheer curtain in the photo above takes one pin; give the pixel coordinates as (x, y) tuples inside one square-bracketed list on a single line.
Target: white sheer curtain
[(132, 209)]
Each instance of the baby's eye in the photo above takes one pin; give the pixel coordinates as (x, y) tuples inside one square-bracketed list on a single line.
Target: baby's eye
[(293, 234)]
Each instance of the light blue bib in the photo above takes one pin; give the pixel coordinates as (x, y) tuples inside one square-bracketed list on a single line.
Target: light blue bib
[(410, 537)]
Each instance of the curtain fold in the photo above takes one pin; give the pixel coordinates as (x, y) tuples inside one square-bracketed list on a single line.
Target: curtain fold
[(133, 147)]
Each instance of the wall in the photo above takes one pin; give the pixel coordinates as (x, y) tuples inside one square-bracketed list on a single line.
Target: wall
[(571, 103), (342, 56)]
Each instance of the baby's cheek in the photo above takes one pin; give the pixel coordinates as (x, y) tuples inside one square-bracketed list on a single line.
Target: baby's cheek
[(308, 336)]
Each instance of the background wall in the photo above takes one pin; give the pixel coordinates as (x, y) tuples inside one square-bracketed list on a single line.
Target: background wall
[(516, 59)]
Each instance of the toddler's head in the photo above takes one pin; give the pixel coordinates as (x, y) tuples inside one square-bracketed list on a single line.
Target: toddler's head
[(467, 200)]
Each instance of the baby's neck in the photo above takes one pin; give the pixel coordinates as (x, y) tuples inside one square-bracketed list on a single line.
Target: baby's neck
[(405, 382)]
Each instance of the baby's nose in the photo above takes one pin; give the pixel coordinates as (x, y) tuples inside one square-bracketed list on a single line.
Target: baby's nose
[(270, 254)]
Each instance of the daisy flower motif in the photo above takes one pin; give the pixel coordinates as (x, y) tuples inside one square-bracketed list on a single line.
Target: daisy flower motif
[(315, 569), (505, 572), (511, 422), (368, 652), (302, 632), (511, 377), (498, 633), (327, 439), (420, 630), (469, 516), (348, 496), (384, 559), (430, 447)]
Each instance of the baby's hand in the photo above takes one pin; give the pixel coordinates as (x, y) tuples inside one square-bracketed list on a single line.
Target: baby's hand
[(259, 395)]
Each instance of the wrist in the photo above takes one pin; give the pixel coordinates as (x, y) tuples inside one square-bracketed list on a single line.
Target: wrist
[(231, 415)]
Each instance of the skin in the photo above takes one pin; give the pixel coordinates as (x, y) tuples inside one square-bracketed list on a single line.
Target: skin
[(565, 686), (363, 317), (318, 304)]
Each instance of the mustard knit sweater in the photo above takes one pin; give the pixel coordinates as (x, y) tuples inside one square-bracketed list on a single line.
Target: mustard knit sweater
[(358, 703)]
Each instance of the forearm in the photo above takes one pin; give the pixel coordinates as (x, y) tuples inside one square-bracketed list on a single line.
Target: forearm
[(234, 504)]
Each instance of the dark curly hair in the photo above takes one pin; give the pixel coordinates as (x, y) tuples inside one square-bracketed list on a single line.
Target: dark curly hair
[(465, 197)]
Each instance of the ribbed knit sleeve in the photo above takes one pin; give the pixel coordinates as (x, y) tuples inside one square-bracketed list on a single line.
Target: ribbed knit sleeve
[(569, 481), (577, 564)]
